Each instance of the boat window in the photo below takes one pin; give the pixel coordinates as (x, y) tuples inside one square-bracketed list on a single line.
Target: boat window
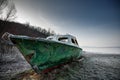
[(74, 41), (63, 39)]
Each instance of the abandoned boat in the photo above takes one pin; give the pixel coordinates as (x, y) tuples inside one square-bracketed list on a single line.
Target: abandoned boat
[(45, 53)]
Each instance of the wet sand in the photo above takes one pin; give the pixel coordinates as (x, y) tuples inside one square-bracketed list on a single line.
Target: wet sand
[(93, 66)]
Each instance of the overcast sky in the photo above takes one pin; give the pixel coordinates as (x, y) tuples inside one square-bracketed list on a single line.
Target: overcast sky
[(93, 22)]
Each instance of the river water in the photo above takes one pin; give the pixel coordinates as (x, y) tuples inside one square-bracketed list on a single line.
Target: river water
[(102, 50)]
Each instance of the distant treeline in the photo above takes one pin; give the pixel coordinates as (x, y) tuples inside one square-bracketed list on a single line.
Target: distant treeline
[(23, 29)]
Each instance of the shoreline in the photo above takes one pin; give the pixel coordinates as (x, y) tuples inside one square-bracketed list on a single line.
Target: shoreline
[(94, 66)]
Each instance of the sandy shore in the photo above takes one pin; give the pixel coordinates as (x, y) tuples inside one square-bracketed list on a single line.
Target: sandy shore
[(91, 67)]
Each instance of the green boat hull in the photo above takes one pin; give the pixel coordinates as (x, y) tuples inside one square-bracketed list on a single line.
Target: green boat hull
[(43, 54)]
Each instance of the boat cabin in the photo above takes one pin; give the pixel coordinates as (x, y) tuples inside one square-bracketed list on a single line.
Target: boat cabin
[(67, 39)]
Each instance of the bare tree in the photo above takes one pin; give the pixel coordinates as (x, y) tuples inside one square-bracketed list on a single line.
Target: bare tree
[(51, 32), (9, 13), (3, 4)]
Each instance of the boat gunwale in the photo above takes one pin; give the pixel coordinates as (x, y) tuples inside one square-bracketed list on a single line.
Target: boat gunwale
[(43, 39)]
